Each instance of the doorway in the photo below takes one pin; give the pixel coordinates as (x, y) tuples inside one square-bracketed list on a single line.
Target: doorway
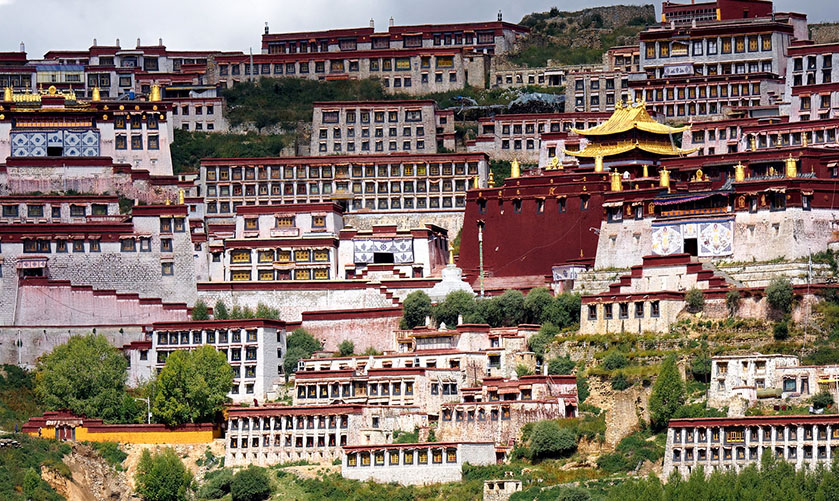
[(691, 246)]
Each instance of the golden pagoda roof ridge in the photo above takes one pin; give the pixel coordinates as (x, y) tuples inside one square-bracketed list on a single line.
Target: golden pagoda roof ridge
[(627, 117)]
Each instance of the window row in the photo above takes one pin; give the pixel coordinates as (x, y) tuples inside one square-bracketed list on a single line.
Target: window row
[(270, 275), (364, 116), (235, 355), (208, 337), (43, 246), (212, 173), (197, 109), (337, 66), (702, 92), (240, 256), (480, 414), (405, 457), (199, 126), (121, 142), (638, 310), (338, 132), (755, 434), (298, 442), (136, 121), (301, 188), (754, 453), (38, 210), (323, 147), (709, 46), (291, 423), (404, 203)]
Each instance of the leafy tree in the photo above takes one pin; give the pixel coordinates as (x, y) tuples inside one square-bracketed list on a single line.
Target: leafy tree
[(779, 295), (250, 484), (220, 311), (487, 311), (695, 300), (300, 344), (535, 304), (780, 331), (549, 440), (668, 393), (265, 311), (700, 367), (561, 365), (415, 308), (822, 400), (523, 370), (582, 387), (162, 477), (619, 382), (614, 359), (511, 304), (563, 311), (192, 386), (86, 375), (200, 311), (540, 341), (216, 484), (732, 301), (346, 348), (456, 303)]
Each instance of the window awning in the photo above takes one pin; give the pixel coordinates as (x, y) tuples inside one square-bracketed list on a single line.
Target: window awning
[(683, 199)]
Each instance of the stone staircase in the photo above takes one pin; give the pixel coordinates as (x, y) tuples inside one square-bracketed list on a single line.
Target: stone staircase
[(761, 274), (674, 273)]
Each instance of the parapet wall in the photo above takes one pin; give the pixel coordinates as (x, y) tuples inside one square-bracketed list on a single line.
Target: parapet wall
[(368, 328)]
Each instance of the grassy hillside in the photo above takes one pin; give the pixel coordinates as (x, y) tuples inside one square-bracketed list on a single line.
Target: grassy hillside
[(580, 37), (17, 397), (190, 147)]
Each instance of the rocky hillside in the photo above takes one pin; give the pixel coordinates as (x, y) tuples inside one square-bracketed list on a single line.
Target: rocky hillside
[(824, 32), (580, 37)]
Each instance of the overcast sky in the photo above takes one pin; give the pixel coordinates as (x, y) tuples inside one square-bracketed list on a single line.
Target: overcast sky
[(237, 25)]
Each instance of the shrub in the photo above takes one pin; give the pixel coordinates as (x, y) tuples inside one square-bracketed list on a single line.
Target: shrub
[(200, 311), (457, 303), (250, 484), (780, 331), (732, 302), (614, 463), (415, 308), (523, 370), (162, 476), (668, 394), (216, 484), (549, 440), (822, 400), (346, 348), (220, 311), (700, 367), (564, 311), (536, 303), (540, 341), (695, 300), (582, 387), (560, 365), (614, 360), (779, 295), (619, 382), (511, 304)]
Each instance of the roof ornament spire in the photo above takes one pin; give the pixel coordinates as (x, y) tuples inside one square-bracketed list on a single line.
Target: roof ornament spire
[(7, 94), (155, 93), (96, 96), (515, 170)]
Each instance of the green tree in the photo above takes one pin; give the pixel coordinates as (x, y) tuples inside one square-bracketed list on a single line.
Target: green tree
[(668, 393), (200, 311), (299, 345), (780, 295), (415, 308), (456, 303), (250, 484), (614, 359), (220, 311), (563, 311), (780, 331), (162, 476), (346, 348), (487, 311), (700, 367), (822, 400), (216, 484), (582, 387), (523, 370), (549, 440), (541, 341), (536, 303), (561, 365), (511, 304), (695, 300), (732, 301), (192, 386), (86, 375), (619, 382), (265, 311)]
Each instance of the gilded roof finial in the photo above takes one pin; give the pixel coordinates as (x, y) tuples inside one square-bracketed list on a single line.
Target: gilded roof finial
[(476, 182), (96, 96), (155, 93), (491, 182), (451, 254), (7, 94), (515, 171)]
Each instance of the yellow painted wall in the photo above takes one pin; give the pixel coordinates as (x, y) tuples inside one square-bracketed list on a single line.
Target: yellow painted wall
[(138, 437)]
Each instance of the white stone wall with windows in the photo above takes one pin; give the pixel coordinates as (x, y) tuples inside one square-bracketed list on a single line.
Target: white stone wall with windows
[(255, 351), (198, 114), (414, 464), (361, 128), (593, 91)]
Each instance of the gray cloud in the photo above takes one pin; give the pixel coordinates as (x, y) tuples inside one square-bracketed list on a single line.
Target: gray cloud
[(215, 24)]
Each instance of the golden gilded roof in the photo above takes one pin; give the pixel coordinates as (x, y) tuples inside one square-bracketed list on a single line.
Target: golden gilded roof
[(593, 150), (627, 117)]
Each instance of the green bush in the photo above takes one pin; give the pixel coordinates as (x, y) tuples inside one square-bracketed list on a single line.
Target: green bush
[(456, 303), (614, 360), (614, 462), (250, 484), (700, 367), (668, 394), (822, 400), (346, 348), (200, 311), (540, 341), (695, 300), (560, 365), (549, 440), (415, 308), (732, 301), (780, 331), (536, 303), (779, 295), (299, 345), (220, 311), (511, 304), (162, 477), (111, 453), (523, 370), (619, 382), (582, 387), (216, 484)]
